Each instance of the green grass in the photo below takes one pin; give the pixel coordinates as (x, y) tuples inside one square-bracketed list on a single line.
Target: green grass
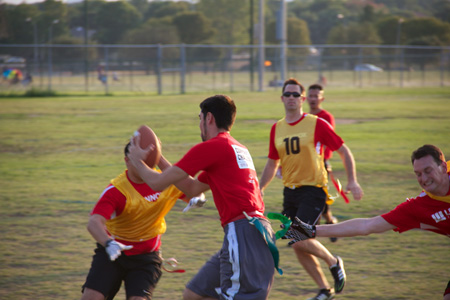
[(57, 155)]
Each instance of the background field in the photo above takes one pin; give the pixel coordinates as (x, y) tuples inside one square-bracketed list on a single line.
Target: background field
[(57, 155)]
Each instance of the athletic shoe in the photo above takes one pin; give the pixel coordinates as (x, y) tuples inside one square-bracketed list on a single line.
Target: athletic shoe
[(323, 294), (339, 276), (334, 220)]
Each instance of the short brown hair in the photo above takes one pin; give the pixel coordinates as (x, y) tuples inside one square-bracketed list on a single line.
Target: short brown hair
[(222, 108), (426, 150), (294, 82)]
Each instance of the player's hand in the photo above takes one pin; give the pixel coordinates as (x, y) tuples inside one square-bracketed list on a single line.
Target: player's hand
[(300, 231), (195, 202), (355, 189), (135, 152), (114, 249)]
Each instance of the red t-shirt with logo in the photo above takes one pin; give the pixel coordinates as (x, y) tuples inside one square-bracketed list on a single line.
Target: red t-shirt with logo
[(229, 171), (421, 212)]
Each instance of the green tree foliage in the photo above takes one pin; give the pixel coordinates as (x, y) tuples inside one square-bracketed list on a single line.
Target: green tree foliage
[(353, 34), (161, 9), (297, 32), (114, 19), (230, 20), (388, 29), (322, 16), (414, 29), (193, 27), (75, 54), (18, 23), (155, 31)]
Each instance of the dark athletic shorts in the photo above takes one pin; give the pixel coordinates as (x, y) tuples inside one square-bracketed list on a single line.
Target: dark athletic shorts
[(140, 273), (305, 202), (447, 290), (243, 269)]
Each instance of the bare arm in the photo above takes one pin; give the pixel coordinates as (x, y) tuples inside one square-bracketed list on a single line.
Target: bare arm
[(268, 173), (96, 227), (354, 227), (350, 168), (190, 186)]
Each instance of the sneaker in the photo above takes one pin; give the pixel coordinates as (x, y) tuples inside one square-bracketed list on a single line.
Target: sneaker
[(339, 276), (323, 294), (334, 220)]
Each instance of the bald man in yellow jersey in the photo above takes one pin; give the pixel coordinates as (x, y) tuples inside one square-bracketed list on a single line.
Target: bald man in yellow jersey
[(127, 222), (297, 143)]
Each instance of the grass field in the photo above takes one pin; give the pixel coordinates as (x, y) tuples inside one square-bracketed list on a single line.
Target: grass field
[(57, 155)]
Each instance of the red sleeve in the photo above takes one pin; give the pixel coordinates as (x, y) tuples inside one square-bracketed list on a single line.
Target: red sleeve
[(273, 153), (326, 135), (111, 201), (328, 117), (200, 157), (401, 218), (203, 177)]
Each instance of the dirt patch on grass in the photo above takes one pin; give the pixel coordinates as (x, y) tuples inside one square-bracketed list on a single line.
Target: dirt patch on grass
[(337, 121)]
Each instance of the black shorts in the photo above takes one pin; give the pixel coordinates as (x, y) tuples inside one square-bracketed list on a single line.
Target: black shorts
[(305, 202), (140, 274)]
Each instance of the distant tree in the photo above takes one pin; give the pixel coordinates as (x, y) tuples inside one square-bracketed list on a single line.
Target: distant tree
[(114, 19), (140, 5), (297, 32), (53, 11), (322, 16), (70, 55), (193, 27), (161, 9), (153, 32), (422, 57), (441, 10), (354, 34), (417, 28), (230, 19), (18, 23)]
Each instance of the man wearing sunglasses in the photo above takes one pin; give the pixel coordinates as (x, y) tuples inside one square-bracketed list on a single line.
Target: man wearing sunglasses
[(297, 142)]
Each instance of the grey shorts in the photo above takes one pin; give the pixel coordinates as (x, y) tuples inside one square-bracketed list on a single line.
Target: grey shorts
[(243, 269)]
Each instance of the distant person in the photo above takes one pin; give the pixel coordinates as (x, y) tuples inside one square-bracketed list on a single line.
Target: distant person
[(429, 211), (128, 219), (315, 99), (27, 80), (297, 141), (101, 75), (244, 267)]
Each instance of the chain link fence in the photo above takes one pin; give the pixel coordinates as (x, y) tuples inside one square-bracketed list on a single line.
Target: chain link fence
[(163, 69)]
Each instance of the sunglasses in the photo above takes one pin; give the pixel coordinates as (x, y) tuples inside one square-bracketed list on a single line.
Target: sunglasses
[(294, 94)]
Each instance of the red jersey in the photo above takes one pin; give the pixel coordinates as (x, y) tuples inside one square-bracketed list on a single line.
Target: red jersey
[(229, 171), (421, 212), (330, 119)]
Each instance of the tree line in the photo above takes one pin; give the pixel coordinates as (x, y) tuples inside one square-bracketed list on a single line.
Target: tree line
[(228, 22)]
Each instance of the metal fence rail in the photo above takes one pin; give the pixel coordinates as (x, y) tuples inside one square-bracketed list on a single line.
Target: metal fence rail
[(191, 68)]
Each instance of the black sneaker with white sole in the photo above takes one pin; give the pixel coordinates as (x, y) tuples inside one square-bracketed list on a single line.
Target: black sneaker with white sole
[(323, 294), (339, 276)]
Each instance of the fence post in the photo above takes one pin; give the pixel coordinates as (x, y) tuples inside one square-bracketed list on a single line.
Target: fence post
[(158, 69), (182, 68), (402, 58), (441, 68), (106, 70)]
